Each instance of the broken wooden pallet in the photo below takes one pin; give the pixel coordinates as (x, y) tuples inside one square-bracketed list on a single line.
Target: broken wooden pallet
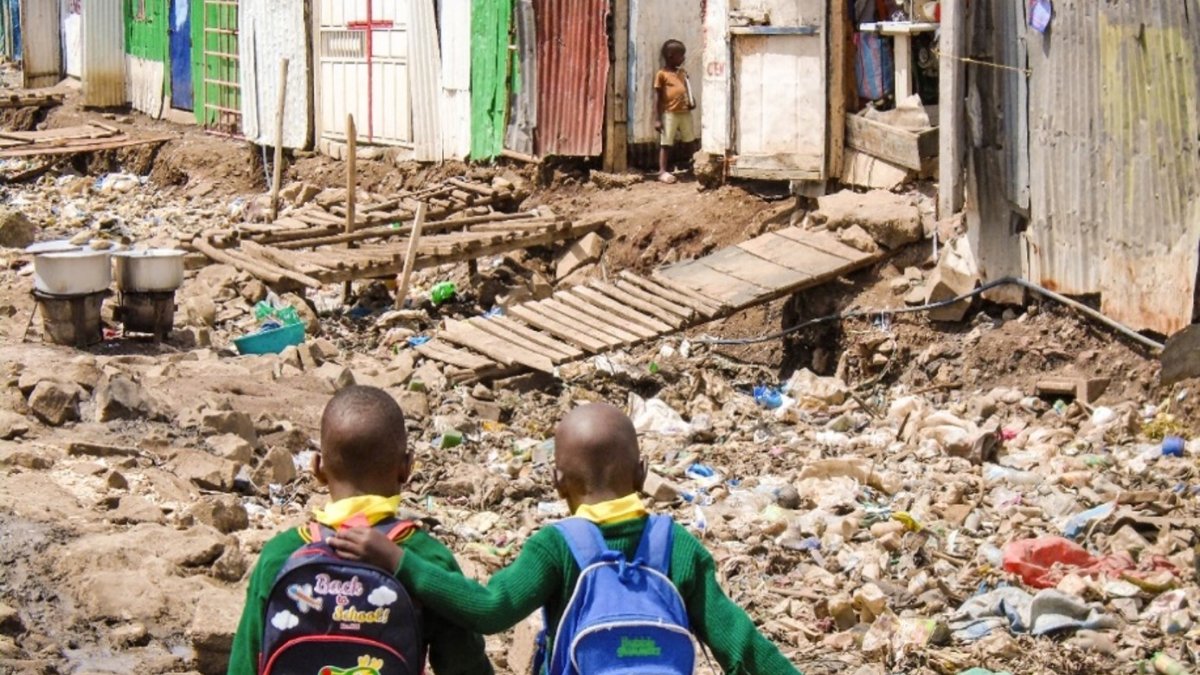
[(92, 137)]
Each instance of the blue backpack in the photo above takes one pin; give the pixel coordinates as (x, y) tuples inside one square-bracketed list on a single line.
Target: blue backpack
[(624, 617), (330, 616)]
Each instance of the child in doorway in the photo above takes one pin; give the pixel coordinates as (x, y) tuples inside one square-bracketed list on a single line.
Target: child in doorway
[(365, 462), (673, 105), (598, 471)]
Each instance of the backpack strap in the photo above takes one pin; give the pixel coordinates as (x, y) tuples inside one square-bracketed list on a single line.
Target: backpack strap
[(584, 539), (658, 539)]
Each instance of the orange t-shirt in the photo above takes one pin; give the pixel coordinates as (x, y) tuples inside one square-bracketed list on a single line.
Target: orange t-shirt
[(672, 89)]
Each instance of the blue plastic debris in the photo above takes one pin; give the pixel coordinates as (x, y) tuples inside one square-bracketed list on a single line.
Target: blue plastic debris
[(418, 340), (768, 397)]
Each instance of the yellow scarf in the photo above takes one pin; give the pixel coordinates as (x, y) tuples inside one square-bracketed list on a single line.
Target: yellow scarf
[(613, 511), (372, 507)]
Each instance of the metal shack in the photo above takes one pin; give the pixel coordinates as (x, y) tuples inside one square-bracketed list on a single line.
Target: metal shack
[(268, 32), (41, 43), (93, 43), (1084, 153), (651, 24), (380, 63), (158, 45), (767, 83)]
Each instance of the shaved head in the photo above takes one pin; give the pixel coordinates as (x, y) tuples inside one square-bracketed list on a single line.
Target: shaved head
[(596, 453), (363, 435)]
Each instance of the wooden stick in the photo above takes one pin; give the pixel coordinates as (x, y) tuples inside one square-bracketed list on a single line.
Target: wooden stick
[(952, 87), (277, 178), (351, 190), (413, 241), (389, 231)]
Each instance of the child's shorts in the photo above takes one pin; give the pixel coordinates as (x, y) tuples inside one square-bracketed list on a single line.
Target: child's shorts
[(677, 124)]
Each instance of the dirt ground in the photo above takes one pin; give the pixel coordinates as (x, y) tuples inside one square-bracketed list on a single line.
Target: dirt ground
[(138, 481)]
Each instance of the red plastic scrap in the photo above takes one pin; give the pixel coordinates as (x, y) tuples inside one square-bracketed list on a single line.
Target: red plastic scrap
[(1043, 562)]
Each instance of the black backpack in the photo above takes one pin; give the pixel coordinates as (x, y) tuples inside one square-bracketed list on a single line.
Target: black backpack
[(330, 616)]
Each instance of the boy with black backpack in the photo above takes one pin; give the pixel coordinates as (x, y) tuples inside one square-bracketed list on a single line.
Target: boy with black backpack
[(623, 591), (313, 611)]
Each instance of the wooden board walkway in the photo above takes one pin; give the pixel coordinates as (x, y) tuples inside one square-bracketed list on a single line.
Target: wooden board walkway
[(601, 316), (90, 137)]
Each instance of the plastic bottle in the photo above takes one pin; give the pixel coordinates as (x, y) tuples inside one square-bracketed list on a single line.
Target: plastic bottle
[(442, 292)]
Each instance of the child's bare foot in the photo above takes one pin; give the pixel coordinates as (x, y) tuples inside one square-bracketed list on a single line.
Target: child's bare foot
[(666, 177)]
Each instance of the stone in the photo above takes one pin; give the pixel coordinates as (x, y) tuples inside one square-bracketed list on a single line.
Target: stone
[(325, 349), (312, 323), (213, 626), (788, 497), (661, 489), (86, 449), (119, 398), (116, 480), (223, 513), (204, 470), (290, 356), (415, 405), (10, 621), (200, 311), (335, 377), (253, 292), (229, 422), (892, 220), (129, 635), (856, 237), (55, 403), (12, 425), (1086, 389), (586, 250), (307, 356), (25, 459), (231, 447), (485, 410), (945, 283), (276, 468), (231, 566), (132, 509), (16, 230), (1181, 357)]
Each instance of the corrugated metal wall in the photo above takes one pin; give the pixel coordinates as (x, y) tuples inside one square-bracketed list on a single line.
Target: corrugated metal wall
[(573, 65), (268, 32), (146, 54), (490, 24), (651, 23), (103, 63), (426, 82), (41, 44), (72, 37), (522, 118), (1114, 152), (455, 33)]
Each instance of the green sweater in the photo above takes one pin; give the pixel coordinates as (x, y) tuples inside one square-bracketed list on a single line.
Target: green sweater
[(452, 650), (545, 573)]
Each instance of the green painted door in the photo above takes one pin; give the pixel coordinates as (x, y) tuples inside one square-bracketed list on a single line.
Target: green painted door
[(146, 29), (491, 24)]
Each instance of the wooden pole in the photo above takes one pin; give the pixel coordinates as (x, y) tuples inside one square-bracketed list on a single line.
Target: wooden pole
[(411, 257), (616, 149), (280, 109), (951, 102), (351, 188)]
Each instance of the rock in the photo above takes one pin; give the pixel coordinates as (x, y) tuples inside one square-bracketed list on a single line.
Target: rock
[(609, 181), (55, 403), (130, 635), (10, 621), (229, 422), (892, 220), (415, 405), (200, 311), (16, 230), (86, 449), (856, 237), (427, 377), (586, 250), (204, 471), (276, 468), (119, 398), (306, 356), (809, 389), (661, 489), (1181, 357), (25, 459), (116, 480), (788, 497), (224, 513), (950, 279), (334, 376), (12, 425), (253, 292), (132, 510), (231, 447), (231, 566), (325, 350), (312, 323), (484, 410), (213, 626)]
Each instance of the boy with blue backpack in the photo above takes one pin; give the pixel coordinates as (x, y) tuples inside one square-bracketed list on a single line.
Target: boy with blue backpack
[(313, 611), (623, 591)]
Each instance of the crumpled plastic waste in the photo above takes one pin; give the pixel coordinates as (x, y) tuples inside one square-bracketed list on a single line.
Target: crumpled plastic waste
[(1044, 561), (1014, 609), (653, 416)]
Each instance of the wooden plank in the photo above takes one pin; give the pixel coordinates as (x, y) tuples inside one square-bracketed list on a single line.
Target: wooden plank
[(685, 313), (82, 146), (894, 144), (493, 347), (436, 350), (538, 319), (702, 307), (951, 105), (825, 242), (598, 299), (581, 305), (606, 332), (503, 332), (616, 151), (660, 279), (705, 279), (283, 259), (757, 270), (839, 38), (621, 296), (546, 340)]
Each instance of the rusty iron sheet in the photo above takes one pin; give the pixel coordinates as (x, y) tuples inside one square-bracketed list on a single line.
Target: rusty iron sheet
[(573, 64)]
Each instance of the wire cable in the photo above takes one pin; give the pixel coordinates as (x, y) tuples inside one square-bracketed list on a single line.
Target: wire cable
[(1006, 281)]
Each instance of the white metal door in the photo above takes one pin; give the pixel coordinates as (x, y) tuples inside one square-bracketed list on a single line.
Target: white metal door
[(41, 40), (364, 67)]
